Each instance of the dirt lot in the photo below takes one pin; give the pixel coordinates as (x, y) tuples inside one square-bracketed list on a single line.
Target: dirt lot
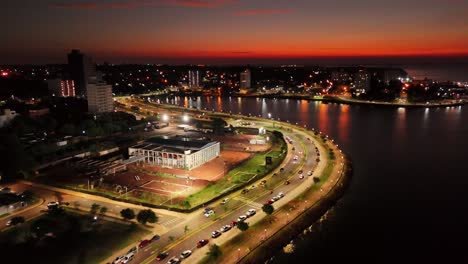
[(240, 143)]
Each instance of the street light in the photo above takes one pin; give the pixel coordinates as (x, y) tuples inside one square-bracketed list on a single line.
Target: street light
[(185, 118), (238, 254), (165, 117)]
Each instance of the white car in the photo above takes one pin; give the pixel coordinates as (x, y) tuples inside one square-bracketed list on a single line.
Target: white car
[(251, 212), (281, 195), (118, 260), (225, 228), (224, 201), (128, 257), (241, 218), (209, 213), (185, 254), (276, 198), (309, 173), (52, 204)]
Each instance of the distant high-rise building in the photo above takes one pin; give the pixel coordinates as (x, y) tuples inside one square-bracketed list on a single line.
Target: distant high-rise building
[(61, 88), (340, 76), (81, 69), (245, 79), (362, 81), (194, 79), (99, 97)]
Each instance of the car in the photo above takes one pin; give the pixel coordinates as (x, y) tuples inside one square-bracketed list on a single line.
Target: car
[(224, 201), (52, 204), (269, 201), (118, 260), (263, 182), (162, 256), (296, 157), (209, 213), (253, 187), (241, 218), (301, 176), (317, 160), (9, 222), (300, 172), (251, 212), (309, 173), (233, 223), (245, 191), (144, 243), (281, 194), (128, 257), (133, 249), (276, 198), (202, 242), (282, 169), (215, 234), (155, 237), (185, 254), (286, 183), (225, 228), (174, 260), (207, 209)]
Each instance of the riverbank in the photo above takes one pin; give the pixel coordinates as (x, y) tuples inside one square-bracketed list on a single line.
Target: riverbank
[(343, 100)]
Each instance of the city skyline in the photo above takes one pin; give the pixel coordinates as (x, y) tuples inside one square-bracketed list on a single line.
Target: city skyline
[(232, 31)]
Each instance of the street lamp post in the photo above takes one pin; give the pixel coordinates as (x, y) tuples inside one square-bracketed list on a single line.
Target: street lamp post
[(238, 254)]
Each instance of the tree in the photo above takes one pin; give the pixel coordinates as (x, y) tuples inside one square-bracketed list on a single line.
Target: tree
[(103, 210), (218, 125), (147, 216), (268, 209), (214, 251), (17, 220), (127, 214), (243, 225), (94, 208)]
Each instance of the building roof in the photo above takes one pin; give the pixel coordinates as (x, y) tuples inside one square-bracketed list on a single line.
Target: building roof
[(181, 143)]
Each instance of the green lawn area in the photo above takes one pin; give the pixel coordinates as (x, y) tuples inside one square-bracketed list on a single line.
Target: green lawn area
[(251, 170), (67, 238)]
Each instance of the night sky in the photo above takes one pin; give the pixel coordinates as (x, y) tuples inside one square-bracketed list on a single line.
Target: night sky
[(43, 31)]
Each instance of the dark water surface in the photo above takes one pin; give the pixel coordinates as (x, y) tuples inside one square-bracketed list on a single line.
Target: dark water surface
[(408, 200)]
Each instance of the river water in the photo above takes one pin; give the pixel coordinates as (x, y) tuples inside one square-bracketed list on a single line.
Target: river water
[(408, 199)]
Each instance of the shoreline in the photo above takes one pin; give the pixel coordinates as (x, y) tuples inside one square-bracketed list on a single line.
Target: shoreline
[(340, 100)]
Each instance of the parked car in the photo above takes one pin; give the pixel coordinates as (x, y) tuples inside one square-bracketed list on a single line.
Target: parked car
[(144, 243), (276, 198), (118, 260), (225, 228), (233, 223), (215, 234), (245, 191), (309, 173), (300, 172), (162, 256), (241, 218), (185, 254), (174, 260), (251, 212), (202, 242), (301, 176), (286, 183), (133, 249), (253, 187), (281, 194), (263, 182), (155, 237), (128, 257), (269, 201), (209, 213), (224, 201)]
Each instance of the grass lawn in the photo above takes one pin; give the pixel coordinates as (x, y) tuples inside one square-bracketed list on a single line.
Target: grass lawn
[(241, 175), (66, 238)]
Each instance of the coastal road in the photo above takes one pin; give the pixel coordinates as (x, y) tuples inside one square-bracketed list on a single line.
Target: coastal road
[(201, 227)]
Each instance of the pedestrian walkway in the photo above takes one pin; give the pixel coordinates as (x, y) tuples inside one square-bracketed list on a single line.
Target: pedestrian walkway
[(249, 202)]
